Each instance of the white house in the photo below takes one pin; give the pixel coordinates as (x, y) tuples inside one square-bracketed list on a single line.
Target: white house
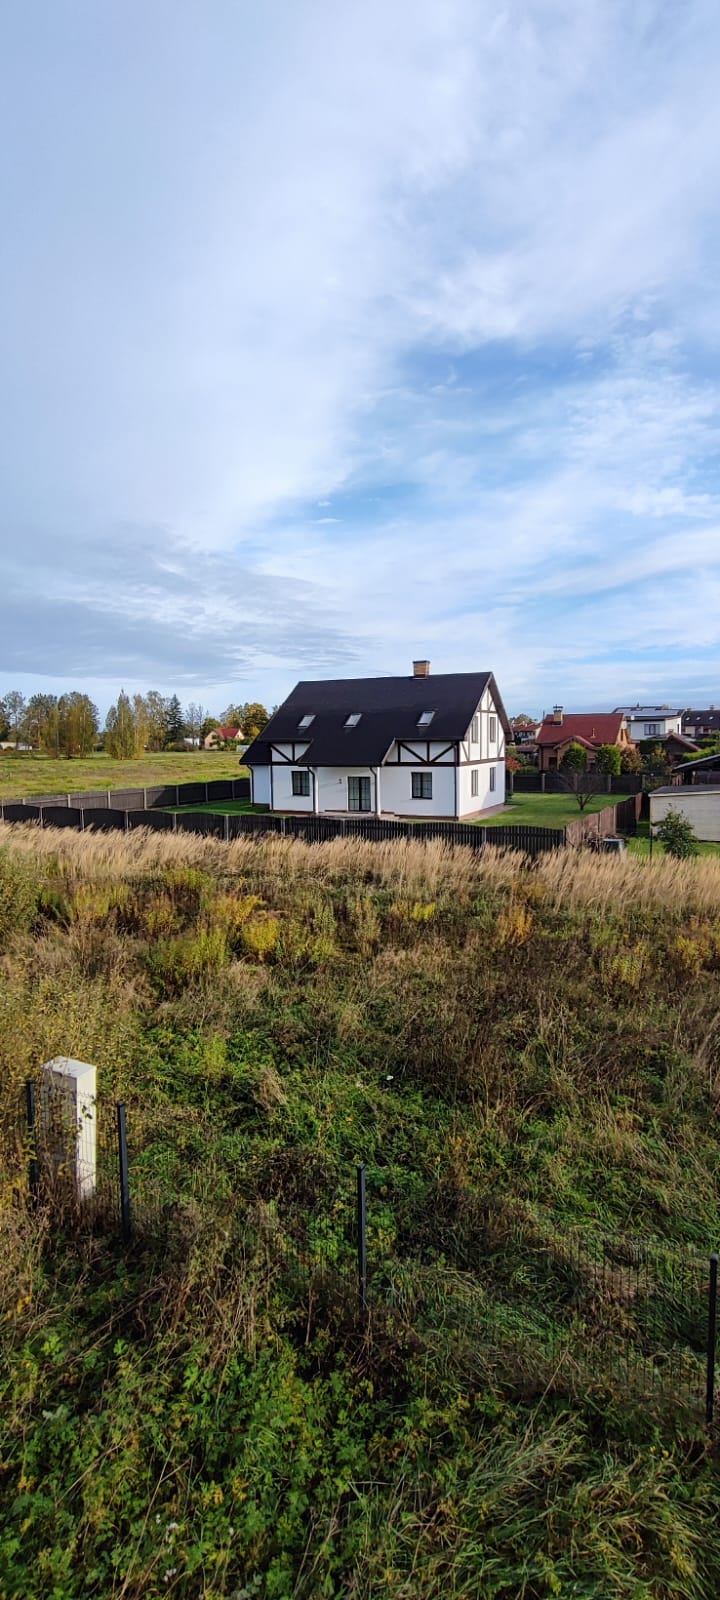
[(419, 746), (651, 722)]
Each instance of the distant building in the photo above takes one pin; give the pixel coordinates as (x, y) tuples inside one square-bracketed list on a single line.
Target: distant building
[(701, 724), (218, 736), (651, 722), (560, 729)]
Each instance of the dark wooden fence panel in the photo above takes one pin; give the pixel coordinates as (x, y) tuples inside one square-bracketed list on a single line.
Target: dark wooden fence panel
[(238, 825), (15, 811), (62, 816), (241, 788), (207, 822), (104, 821), (159, 821), (220, 789), (192, 794), (160, 794)]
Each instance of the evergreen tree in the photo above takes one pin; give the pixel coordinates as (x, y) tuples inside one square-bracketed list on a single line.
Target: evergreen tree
[(175, 722), (677, 835)]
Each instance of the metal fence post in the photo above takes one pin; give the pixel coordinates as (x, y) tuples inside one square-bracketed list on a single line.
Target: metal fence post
[(124, 1173), (711, 1341), (34, 1164), (362, 1240)]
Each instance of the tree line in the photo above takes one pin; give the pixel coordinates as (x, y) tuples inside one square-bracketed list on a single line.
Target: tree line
[(69, 724)]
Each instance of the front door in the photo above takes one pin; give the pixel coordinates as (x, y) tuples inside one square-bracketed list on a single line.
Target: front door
[(358, 794)]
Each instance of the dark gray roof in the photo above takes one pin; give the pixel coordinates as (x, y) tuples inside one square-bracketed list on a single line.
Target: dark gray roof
[(389, 708), (703, 719)]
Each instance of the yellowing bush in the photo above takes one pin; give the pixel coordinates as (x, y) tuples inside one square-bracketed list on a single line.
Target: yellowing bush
[(93, 902), (261, 935), (515, 925), (230, 913)]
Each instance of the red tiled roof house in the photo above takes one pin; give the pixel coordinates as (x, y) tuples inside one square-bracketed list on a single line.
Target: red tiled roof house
[(560, 729)]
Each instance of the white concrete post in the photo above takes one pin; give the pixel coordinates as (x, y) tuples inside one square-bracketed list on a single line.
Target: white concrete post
[(378, 796), (69, 1094)]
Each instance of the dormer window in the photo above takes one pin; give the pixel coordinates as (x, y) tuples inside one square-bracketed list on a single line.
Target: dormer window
[(307, 719), (353, 719), (425, 718)]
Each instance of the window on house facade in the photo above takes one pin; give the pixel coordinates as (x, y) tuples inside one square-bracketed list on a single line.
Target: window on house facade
[(307, 719), (474, 781), (301, 783), (492, 777), (353, 719), (425, 718), (474, 730), (493, 729), (422, 786), (651, 728)]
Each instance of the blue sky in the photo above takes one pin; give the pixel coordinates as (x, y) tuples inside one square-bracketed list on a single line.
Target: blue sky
[(333, 336)]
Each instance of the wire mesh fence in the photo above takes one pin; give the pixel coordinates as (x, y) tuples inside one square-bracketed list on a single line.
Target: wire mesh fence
[(598, 1307)]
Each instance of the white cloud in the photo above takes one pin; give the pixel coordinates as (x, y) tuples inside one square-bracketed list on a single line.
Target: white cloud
[(250, 256)]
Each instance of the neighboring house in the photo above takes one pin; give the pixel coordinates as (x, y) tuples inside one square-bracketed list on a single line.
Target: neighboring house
[(523, 733), (701, 806), (419, 746), (676, 746), (650, 722), (560, 729), (701, 724), (218, 736), (704, 770)]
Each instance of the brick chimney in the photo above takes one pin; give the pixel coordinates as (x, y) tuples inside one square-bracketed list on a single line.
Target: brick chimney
[(557, 716), (421, 669)]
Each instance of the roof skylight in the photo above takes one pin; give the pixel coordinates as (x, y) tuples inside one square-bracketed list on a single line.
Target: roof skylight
[(353, 719), (307, 719), (425, 718)]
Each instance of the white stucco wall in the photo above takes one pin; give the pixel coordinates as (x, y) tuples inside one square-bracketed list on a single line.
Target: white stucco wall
[(283, 797), (396, 791), (701, 806), (260, 786), (665, 725), (333, 787), (486, 797)]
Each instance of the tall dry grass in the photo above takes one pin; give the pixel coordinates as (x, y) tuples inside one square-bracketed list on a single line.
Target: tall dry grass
[(566, 879)]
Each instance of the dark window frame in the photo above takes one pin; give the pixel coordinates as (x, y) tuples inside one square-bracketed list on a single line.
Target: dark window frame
[(421, 786), (301, 782)]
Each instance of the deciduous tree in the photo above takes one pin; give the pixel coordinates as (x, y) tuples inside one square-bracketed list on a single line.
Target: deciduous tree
[(609, 760), (120, 729)]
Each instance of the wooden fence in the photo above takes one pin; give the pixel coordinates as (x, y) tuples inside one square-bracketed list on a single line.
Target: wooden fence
[(125, 809)]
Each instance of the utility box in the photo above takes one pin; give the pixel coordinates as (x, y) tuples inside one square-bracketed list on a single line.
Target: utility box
[(614, 844), (68, 1124)]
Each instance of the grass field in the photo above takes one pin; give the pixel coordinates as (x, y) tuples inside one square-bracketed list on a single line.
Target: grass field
[(37, 774), (640, 845), (545, 810), (521, 1057), (541, 811)]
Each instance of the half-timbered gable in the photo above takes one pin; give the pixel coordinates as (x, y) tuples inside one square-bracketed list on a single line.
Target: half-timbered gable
[(418, 746)]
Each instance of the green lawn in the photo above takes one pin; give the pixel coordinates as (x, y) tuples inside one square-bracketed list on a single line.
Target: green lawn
[(39, 774), (528, 810), (223, 808), (640, 845), (543, 811)]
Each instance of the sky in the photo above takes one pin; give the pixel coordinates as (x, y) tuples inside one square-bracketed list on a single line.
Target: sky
[(336, 335)]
